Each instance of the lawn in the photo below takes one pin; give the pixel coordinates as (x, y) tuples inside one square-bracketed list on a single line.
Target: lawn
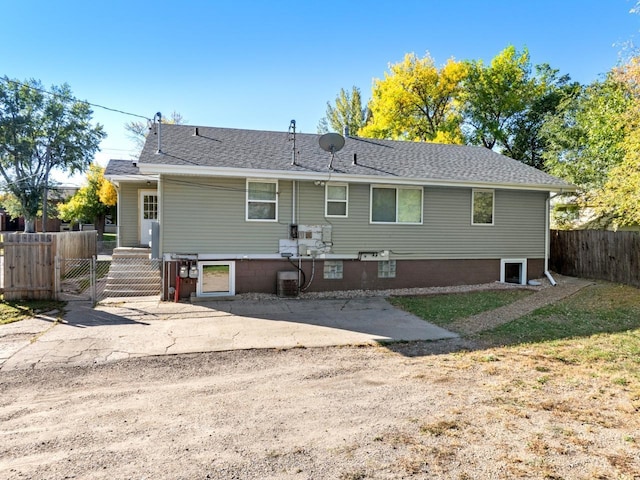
[(597, 329), (445, 309), (19, 310)]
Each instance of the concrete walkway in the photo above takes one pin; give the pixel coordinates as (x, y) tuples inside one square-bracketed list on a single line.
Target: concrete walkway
[(144, 328)]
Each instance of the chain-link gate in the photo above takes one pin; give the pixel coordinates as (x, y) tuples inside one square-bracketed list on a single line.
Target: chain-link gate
[(94, 280), (80, 278)]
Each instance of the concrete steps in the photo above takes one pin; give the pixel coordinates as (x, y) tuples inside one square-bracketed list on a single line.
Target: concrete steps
[(133, 274)]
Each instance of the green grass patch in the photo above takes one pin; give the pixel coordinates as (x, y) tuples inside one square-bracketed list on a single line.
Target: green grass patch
[(597, 309), (15, 311), (109, 237), (445, 309), (598, 326)]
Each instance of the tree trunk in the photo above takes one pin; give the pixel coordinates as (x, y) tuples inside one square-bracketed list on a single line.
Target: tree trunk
[(29, 225), (99, 224)]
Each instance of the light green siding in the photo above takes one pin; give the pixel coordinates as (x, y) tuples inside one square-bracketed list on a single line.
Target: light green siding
[(446, 231), (208, 216), (128, 228)]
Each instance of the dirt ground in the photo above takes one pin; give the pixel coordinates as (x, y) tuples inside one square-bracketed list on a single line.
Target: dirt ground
[(403, 411)]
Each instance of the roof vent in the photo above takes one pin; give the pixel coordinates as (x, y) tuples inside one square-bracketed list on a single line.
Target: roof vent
[(345, 131), (355, 159), (196, 132)]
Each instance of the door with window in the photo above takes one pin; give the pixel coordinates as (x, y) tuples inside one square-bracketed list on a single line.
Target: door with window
[(148, 215)]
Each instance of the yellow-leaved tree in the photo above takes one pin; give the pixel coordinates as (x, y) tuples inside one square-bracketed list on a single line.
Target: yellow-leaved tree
[(92, 202), (620, 196), (416, 101)]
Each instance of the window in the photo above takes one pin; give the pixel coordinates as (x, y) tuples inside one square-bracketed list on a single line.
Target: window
[(482, 207), (513, 270), (216, 279), (262, 200), (333, 269), (336, 200), (396, 204), (387, 269)]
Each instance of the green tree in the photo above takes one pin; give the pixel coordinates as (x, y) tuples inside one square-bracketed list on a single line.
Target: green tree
[(348, 112), (417, 101), (619, 199), (41, 132), (585, 139), (92, 202), (526, 141), (495, 96)]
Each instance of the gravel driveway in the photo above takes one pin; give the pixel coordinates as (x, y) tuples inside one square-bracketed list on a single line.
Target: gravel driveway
[(424, 410)]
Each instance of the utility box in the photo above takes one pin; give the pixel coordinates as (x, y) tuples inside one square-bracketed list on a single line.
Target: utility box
[(287, 284)]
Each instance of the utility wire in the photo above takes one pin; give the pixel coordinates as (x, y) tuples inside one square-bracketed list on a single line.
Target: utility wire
[(42, 90)]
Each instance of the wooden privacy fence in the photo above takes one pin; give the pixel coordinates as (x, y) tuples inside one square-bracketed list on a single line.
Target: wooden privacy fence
[(603, 255), (28, 270)]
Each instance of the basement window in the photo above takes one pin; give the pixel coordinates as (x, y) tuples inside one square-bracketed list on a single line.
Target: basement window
[(333, 269), (513, 271), (387, 269)]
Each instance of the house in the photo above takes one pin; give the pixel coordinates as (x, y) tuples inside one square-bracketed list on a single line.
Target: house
[(257, 211)]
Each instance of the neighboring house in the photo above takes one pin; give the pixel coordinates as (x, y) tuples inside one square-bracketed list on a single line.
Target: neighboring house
[(235, 207)]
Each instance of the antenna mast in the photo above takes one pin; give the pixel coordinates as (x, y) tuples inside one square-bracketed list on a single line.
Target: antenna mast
[(292, 138), (158, 117)]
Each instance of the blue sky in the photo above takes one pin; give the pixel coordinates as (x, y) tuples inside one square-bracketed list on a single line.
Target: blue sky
[(259, 64)]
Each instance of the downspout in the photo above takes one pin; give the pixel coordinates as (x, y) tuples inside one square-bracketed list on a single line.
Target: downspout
[(547, 224)]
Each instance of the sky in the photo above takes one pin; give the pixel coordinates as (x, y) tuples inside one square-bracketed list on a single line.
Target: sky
[(260, 64)]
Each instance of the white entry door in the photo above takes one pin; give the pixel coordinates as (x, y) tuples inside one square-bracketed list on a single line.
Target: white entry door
[(148, 214)]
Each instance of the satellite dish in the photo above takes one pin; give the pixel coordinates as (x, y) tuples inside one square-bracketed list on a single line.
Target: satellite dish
[(332, 143)]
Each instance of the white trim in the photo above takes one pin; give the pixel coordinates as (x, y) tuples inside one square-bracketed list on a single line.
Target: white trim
[(275, 202), (523, 272), (493, 206), (397, 188), (232, 279), (188, 170), (327, 200)]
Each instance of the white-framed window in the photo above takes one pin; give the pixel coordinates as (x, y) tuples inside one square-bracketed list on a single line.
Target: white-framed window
[(216, 279), (387, 269), (513, 270), (262, 200), (336, 197), (396, 204), (482, 207), (333, 269)]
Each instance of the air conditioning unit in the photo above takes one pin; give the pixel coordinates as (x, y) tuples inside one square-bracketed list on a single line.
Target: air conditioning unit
[(287, 284)]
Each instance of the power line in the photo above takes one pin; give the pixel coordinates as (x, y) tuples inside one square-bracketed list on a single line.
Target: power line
[(42, 90)]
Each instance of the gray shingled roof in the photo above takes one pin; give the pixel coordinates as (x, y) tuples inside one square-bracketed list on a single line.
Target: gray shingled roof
[(379, 159), (121, 168)]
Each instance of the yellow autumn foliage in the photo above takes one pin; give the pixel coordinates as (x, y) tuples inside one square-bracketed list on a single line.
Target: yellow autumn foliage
[(416, 101)]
